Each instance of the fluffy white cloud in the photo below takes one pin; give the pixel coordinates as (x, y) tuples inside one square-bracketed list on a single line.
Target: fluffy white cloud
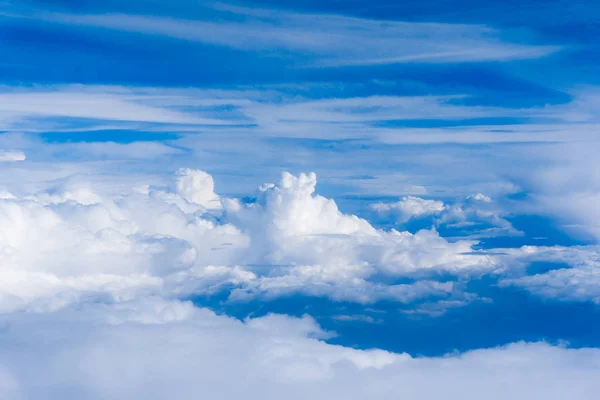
[(99, 276), (316, 249), (197, 187), (155, 349), (476, 212), (68, 243), (410, 207), (480, 197)]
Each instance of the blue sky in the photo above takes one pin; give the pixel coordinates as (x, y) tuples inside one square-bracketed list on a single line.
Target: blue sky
[(364, 192)]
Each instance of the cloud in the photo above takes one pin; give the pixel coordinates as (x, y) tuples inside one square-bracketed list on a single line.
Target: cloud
[(357, 318), (566, 284), (197, 187), (68, 243), (271, 111), (480, 197), (277, 111), (10, 156), (88, 102), (476, 214), (577, 281), (318, 39), (409, 207), (153, 349), (301, 228), (541, 156)]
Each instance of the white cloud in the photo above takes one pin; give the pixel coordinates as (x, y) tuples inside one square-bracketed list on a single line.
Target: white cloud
[(88, 102), (154, 349), (480, 197), (278, 111), (356, 318), (98, 273), (579, 280), (10, 156), (410, 207), (69, 243), (197, 187), (476, 212), (563, 186), (300, 228), (566, 284), (339, 40)]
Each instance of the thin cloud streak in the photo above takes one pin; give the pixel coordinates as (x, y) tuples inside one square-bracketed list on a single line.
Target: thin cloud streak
[(338, 41)]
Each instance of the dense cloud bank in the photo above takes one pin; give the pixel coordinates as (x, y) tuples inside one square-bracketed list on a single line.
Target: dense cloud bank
[(91, 289), (155, 349)]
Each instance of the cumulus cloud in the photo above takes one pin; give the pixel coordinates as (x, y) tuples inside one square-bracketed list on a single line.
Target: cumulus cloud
[(476, 214), (60, 245), (197, 187), (99, 277), (409, 207), (480, 197), (318, 247), (68, 244)]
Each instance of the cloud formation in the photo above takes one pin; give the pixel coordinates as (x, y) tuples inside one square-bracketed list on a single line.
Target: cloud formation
[(456, 210), (576, 280), (70, 243), (338, 40), (153, 349), (10, 156), (476, 214)]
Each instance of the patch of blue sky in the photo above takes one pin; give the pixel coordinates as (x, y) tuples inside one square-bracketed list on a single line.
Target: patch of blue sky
[(106, 135), (418, 329)]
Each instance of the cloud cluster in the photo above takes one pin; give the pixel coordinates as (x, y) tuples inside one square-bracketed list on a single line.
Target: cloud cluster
[(68, 243), (101, 277), (476, 214), (10, 156)]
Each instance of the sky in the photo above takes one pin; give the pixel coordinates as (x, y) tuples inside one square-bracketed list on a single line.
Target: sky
[(299, 199)]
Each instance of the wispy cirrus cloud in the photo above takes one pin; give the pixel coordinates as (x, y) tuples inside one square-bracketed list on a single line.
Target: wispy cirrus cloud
[(318, 40), (99, 103)]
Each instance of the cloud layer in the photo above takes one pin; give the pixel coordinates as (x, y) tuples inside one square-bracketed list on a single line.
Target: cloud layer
[(155, 349)]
